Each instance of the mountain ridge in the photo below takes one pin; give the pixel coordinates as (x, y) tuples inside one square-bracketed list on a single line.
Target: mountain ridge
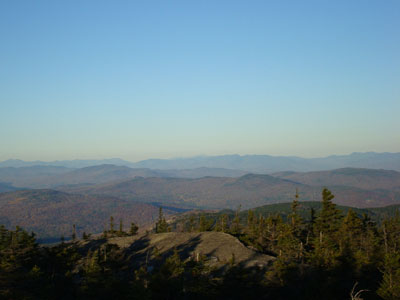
[(250, 190), (249, 163), (53, 176)]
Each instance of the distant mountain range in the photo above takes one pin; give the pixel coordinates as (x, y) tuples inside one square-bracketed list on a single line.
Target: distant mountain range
[(269, 164), (369, 179), (51, 176), (207, 187), (88, 196), (249, 163), (365, 188), (76, 163)]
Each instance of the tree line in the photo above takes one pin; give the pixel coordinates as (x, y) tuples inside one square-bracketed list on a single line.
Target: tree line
[(329, 251), (327, 256)]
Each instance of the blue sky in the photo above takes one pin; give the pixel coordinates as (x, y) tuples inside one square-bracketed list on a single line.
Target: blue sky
[(141, 79)]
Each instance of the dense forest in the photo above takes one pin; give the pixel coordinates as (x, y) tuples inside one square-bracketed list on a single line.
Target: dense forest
[(330, 254)]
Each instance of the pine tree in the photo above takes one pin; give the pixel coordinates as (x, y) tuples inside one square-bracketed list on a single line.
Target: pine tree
[(235, 227), (350, 237), (112, 225), (251, 224), (296, 221), (121, 228), (328, 221), (326, 231), (73, 232), (222, 223), (161, 225), (271, 233), (370, 241), (351, 231), (203, 224), (260, 230), (287, 244), (191, 223), (390, 285), (134, 229), (93, 264), (310, 227)]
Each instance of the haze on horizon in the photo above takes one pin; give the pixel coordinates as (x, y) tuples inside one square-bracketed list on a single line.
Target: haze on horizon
[(100, 79)]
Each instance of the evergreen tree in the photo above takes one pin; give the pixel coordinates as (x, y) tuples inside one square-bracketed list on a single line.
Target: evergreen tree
[(73, 232), (351, 232), (251, 225), (134, 229), (121, 227), (310, 227), (328, 221), (191, 223), (390, 285), (235, 227), (370, 241), (260, 230), (326, 231), (93, 262), (389, 288), (167, 283), (288, 245), (112, 225), (271, 231), (295, 218), (222, 223), (161, 225), (203, 224)]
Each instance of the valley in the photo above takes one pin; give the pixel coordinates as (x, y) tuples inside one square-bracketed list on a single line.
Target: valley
[(49, 199)]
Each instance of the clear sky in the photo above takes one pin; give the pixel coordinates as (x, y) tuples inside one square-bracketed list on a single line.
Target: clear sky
[(141, 79)]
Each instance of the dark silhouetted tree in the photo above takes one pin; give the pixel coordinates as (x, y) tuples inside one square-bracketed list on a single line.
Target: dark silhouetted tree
[(161, 225), (134, 229), (112, 225)]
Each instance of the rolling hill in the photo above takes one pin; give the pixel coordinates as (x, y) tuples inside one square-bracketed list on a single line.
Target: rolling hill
[(88, 196), (219, 192), (51, 213), (5, 187), (369, 179), (31, 177)]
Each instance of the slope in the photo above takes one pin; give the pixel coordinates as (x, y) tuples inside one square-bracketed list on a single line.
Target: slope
[(51, 213), (218, 192), (369, 179)]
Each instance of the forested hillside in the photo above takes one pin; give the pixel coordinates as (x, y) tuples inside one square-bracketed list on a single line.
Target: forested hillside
[(305, 210), (333, 255), (51, 214), (250, 191)]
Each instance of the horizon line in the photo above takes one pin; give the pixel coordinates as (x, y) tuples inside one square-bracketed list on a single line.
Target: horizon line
[(193, 156)]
